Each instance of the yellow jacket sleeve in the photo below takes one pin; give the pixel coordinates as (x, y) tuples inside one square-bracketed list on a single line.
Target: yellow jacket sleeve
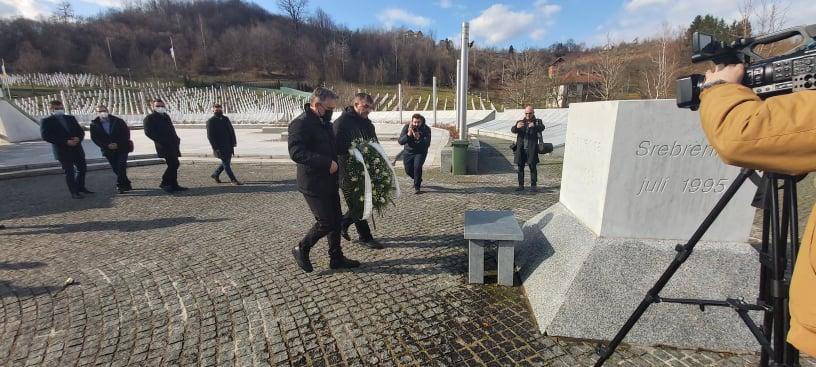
[(776, 135)]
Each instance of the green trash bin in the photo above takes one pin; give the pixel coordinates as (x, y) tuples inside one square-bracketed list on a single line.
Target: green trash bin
[(459, 161)]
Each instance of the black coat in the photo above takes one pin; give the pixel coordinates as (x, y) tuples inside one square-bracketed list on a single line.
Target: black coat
[(349, 126), (120, 134), (527, 138), (53, 132), (159, 128), (312, 146), (414, 145), (221, 134)]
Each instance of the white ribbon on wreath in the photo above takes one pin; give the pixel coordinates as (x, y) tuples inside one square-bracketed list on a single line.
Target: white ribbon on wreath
[(384, 157), (369, 202)]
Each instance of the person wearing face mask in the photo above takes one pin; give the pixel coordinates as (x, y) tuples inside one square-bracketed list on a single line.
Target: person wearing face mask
[(416, 137), (65, 135), (313, 147), (351, 125), (112, 135), (526, 146), (221, 135), (159, 128)]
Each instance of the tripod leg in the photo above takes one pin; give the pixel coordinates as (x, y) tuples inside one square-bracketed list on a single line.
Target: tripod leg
[(684, 252), (764, 285), (789, 253), (777, 277)]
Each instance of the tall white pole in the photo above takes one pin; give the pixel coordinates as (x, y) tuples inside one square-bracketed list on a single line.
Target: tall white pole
[(433, 100), (463, 74), (399, 100), (457, 91)]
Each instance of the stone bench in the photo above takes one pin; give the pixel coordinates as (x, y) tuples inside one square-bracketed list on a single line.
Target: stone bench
[(484, 226)]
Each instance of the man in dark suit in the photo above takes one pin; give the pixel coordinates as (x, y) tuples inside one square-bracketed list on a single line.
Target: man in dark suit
[(159, 128), (65, 135), (312, 146), (354, 124), (222, 139), (112, 135)]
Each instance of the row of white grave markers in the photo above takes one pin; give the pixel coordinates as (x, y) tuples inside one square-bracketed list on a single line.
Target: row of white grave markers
[(191, 104), (63, 80)]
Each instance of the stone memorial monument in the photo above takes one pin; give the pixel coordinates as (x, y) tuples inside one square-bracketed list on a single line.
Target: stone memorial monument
[(638, 178), (16, 126)]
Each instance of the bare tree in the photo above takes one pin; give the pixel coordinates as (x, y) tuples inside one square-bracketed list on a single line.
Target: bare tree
[(610, 69), (526, 80), (771, 15), (295, 9), (746, 8), (659, 75), (64, 12)]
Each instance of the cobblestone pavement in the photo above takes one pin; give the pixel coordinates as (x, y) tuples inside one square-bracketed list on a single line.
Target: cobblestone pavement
[(206, 278)]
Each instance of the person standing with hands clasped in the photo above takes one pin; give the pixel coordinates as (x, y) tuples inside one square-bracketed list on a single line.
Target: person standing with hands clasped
[(313, 147), (416, 137), (65, 135), (221, 135), (159, 127), (526, 147), (112, 135)]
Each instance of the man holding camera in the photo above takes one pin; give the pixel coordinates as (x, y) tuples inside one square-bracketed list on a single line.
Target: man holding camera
[(776, 135), (526, 146), (416, 137)]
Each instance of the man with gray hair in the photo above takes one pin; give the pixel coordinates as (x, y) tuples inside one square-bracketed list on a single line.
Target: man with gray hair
[(312, 146)]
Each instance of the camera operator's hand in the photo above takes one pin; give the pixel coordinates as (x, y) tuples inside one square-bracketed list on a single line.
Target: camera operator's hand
[(520, 124), (410, 131), (726, 73)]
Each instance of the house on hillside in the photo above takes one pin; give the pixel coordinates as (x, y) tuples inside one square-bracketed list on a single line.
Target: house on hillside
[(569, 85)]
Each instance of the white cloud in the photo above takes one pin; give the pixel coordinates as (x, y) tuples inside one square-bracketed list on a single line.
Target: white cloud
[(636, 4), (394, 16), (499, 22), (34, 9), (644, 18), (26, 8), (445, 4)]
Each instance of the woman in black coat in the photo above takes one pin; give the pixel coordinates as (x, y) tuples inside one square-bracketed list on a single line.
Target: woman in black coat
[(526, 152)]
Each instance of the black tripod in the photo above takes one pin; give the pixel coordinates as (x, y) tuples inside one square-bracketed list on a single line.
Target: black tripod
[(780, 244)]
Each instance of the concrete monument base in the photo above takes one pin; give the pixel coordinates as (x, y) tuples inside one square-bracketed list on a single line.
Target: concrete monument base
[(15, 126), (584, 286)]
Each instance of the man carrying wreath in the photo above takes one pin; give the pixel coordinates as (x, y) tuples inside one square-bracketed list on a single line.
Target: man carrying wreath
[(353, 125)]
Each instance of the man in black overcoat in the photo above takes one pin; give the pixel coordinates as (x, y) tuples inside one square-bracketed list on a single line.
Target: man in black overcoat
[(65, 135), (112, 135)]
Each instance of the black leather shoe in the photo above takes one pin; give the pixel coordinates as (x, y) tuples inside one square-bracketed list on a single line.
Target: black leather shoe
[(344, 230), (520, 188), (85, 191), (533, 189), (302, 259), (180, 188), (343, 263), (216, 178), (237, 183), (371, 243), (76, 195), (167, 188), (417, 191), (121, 190)]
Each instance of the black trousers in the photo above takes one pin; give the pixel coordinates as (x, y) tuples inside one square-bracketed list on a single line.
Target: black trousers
[(533, 170), (170, 176), (327, 213), (118, 163), (362, 226), (74, 168), (413, 166)]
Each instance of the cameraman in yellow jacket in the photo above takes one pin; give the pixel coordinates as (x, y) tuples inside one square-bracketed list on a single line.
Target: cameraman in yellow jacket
[(775, 135)]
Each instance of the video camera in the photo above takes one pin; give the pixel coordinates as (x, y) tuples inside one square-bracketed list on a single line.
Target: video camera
[(792, 71)]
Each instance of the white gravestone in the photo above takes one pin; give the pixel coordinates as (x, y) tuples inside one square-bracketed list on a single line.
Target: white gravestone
[(643, 169), (638, 178)]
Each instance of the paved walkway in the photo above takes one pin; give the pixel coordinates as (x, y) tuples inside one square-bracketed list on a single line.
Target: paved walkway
[(206, 278)]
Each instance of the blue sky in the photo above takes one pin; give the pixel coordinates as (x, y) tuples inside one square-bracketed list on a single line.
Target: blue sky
[(532, 23)]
